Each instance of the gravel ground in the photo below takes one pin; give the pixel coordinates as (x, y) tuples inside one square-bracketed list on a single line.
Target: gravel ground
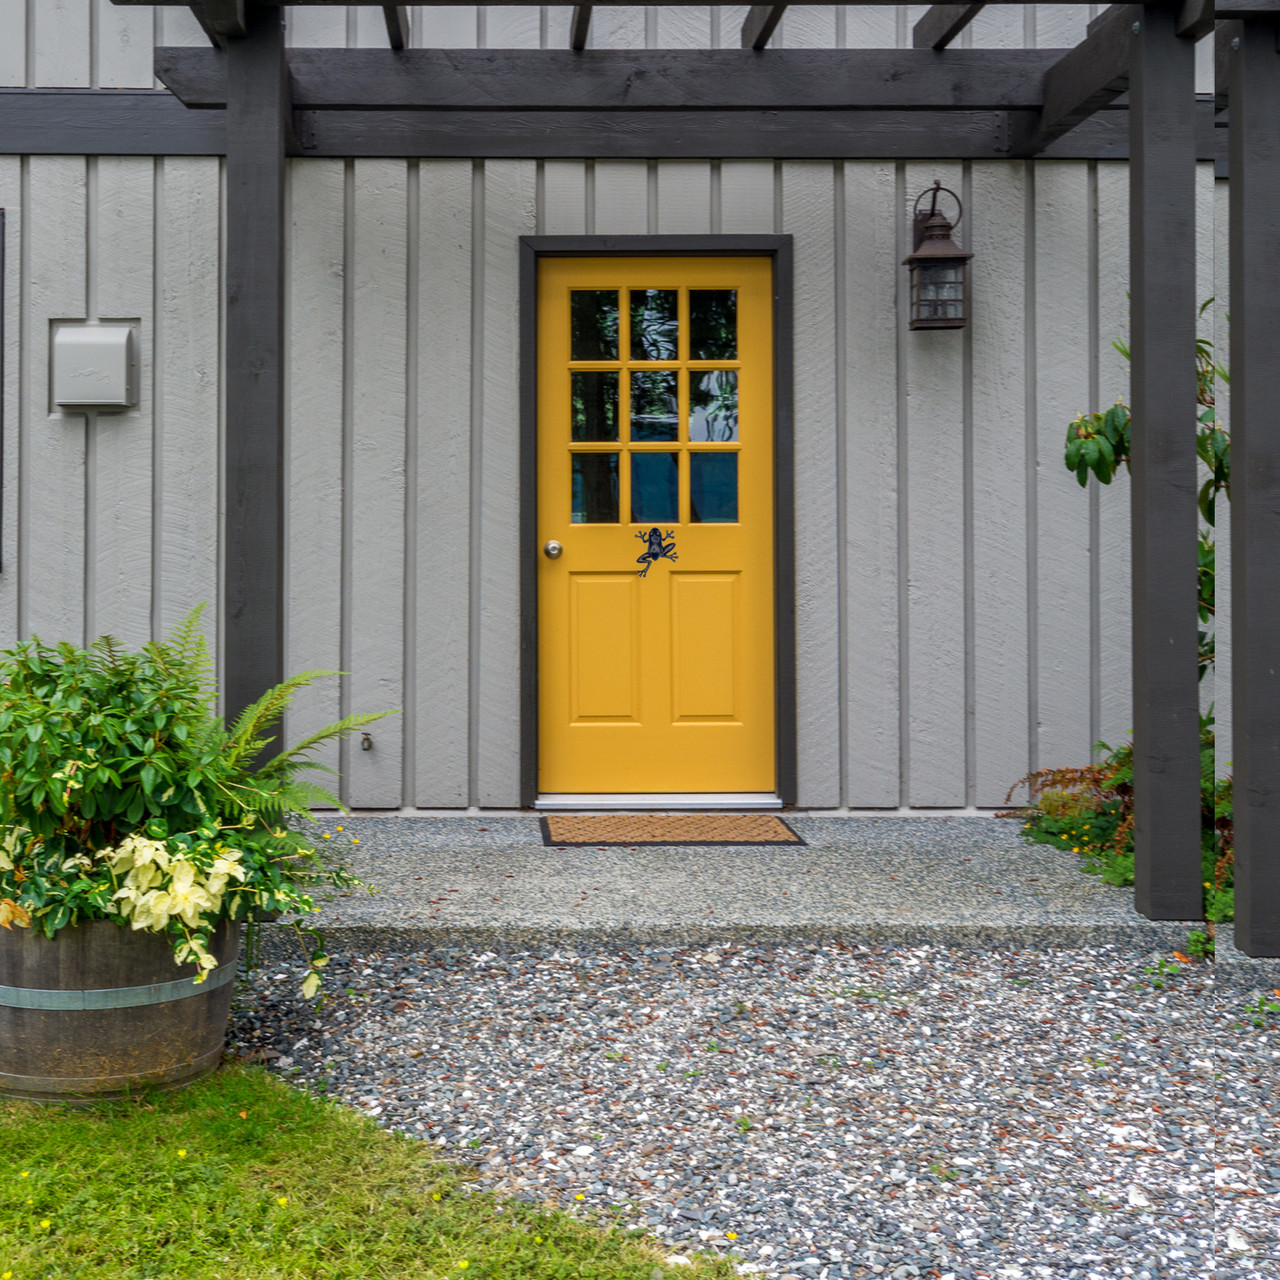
[(826, 1112)]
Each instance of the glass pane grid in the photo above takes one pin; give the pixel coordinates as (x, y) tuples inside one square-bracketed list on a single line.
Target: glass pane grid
[(667, 376)]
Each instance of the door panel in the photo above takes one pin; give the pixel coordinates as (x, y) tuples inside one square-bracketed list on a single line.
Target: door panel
[(655, 474)]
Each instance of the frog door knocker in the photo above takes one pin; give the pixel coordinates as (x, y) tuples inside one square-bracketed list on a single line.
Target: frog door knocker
[(655, 549)]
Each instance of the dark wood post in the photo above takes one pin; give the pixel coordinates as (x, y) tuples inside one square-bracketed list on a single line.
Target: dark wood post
[(1254, 87), (1162, 249), (257, 124)]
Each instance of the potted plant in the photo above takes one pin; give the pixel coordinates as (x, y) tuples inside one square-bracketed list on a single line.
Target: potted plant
[(138, 833)]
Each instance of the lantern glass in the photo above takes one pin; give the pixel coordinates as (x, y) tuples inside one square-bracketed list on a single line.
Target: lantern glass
[(938, 293)]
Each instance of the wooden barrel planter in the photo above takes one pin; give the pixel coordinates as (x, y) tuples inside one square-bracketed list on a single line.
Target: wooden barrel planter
[(100, 1011)]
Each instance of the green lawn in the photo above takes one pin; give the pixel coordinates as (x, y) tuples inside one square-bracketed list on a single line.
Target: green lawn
[(243, 1176)]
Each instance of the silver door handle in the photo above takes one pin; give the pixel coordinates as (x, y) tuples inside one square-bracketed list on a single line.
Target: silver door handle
[(552, 550)]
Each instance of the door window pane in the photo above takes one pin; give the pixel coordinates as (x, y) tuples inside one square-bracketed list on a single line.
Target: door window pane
[(655, 408), (713, 324), (655, 488), (593, 322), (594, 406), (713, 488), (713, 405), (595, 488), (654, 324)]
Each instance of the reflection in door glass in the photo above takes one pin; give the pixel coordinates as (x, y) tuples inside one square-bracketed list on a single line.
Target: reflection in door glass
[(654, 324), (713, 488), (595, 488), (655, 487), (594, 410), (713, 324), (713, 405), (655, 409), (593, 319)]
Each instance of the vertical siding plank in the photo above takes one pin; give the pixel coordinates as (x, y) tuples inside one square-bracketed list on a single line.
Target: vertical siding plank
[(809, 26), (52, 446), (61, 46), (1062, 391), (1115, 594), (622, 197), (935, 647), (870, 27), (120, 514), (187, 394), (513, 27), (808, 214), (313, 450), (448, 26), (1059, 26), (564, 198), (746, 197), (11, 371), (125, 37), (318, 28), (13, 48), (684, 27), (1223, 750), (179, 27), (998, 26), (684, 197), (870, 607), (376, 484), (509, 189), (1205, 329), (617, 27), (996, 235), (443, 482)]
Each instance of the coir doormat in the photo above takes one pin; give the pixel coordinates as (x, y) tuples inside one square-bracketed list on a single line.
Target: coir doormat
[(668, 829)]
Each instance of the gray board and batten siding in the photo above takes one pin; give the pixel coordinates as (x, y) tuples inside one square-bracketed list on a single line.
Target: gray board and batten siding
[(962, 605)]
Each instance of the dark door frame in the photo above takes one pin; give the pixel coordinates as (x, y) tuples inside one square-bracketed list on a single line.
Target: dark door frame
[(779, 249)]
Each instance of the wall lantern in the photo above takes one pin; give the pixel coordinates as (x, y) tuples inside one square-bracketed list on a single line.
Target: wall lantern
[(939, 267)]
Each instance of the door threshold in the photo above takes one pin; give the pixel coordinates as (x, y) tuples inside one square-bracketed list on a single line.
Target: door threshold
[(661, 800)]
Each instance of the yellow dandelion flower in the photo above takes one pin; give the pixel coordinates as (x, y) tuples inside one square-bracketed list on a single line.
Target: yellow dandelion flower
[(435, 1195), (8, 1275), (355, 839), (327, 836), (730, 1235), (463, 1265), (45, 1223), (282, 1201), (537, 1239), (579, 1196), (182, 1151), (25, 1173), (342, 828)]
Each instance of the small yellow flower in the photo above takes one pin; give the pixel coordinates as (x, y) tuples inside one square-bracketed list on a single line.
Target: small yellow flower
[(327, 836), (282, 1201), (355, 839), (341, 828), (45, 1223), (182, 1151), (463, 1265), (730, 1235), (1206, 885), (537, 1239), (435, 1195), (25, 1174), (579, 1196), (8, 1275)]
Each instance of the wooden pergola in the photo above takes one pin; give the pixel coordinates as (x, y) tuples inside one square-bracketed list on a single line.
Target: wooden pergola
[(929, 101)]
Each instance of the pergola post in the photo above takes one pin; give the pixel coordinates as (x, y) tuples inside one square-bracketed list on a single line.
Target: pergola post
[(1254, 89), (257, 127), (1162, 247)]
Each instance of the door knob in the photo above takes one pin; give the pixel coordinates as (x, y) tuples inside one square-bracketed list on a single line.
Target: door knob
[(553, 550)]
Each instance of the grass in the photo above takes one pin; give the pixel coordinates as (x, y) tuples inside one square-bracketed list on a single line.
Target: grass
[(242, 1176)]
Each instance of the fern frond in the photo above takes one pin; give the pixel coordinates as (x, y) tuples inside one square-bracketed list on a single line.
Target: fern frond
[(247, 735), (293, 757)]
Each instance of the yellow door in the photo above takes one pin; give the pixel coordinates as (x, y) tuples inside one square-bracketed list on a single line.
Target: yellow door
[(655, 479)]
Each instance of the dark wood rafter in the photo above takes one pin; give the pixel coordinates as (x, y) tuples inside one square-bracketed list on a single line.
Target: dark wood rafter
[(220, 20), (253, 530), (1196, 19), (397, 20), (943, 23), (1086, 79), (1163, 483), (1254, 72), (760, 24), (580, 27)]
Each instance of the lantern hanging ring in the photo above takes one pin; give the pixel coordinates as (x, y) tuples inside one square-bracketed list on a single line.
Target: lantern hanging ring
[(935, 191)]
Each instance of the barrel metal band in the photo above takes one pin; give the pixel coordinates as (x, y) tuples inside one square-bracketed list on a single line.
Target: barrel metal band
[(115, 997)]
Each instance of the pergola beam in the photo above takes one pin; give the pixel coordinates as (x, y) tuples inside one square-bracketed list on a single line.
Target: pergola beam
[(1255, 477), (220, 20), (643, 80), (253, 520), (760, 23), (1196, 19), (1086, 79), (1163, 483), (397, 19), (943, 23), (580, 27)]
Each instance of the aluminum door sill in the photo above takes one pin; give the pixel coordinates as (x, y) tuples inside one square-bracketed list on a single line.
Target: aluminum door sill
[(662, 800)]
